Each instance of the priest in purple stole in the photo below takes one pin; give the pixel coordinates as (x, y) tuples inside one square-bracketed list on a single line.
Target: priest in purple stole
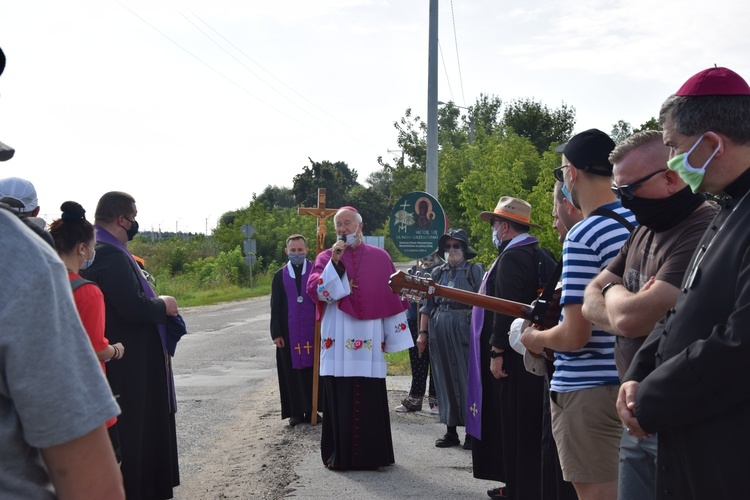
[(293, 332), (361, 320), (504, 404)]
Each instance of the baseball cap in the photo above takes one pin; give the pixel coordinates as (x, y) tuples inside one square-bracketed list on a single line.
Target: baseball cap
[(714, 81), (589, 150), (21, 191)]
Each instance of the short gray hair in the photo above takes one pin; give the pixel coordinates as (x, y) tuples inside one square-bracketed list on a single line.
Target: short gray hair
[(694, 115), (633, 142)]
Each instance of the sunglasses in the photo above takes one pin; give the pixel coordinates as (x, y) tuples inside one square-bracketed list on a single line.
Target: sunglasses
[(456, 246), (559, 172), (625, 192)]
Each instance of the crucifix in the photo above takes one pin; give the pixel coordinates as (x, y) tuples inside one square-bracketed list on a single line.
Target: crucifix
[(322, 213)]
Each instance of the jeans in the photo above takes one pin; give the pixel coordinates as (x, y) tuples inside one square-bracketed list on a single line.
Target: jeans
[(637, 473)]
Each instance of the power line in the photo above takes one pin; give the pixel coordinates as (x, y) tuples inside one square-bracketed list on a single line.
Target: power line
[(349, 127), (212, 68), (445, 68), (455, 38)]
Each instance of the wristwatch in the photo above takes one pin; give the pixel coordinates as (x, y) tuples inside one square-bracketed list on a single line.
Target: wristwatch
[(609, 285), (495, 354)]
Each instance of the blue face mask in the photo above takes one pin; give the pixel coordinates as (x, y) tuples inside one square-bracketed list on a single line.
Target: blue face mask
[(88, 262), (297, 258), (566, 193), (692, 176)]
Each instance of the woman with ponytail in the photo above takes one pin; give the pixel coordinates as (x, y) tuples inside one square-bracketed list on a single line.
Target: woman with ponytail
[(75, 243)]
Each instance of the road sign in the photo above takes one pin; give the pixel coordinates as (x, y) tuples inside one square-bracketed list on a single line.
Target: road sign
[(247, 230), (249, 246)]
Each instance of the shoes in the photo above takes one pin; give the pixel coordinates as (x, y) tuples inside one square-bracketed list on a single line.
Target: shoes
[(409, 404), (497, 493), (434, 410), (448, 440), (296, 420), (467, 442)]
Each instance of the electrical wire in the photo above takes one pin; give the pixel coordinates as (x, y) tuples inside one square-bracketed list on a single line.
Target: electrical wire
[(455, 38), (445, 68)]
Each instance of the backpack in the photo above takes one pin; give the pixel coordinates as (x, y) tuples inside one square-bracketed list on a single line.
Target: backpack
[(546, 264)]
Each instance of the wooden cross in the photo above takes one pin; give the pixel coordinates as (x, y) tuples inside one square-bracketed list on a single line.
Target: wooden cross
[(322, 213)]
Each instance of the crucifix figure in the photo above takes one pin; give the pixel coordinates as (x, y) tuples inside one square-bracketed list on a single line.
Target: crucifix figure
[(322, 213)]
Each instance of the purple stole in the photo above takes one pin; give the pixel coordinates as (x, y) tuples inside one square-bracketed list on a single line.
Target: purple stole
[(300, 317), (104, 236), (474, 385)]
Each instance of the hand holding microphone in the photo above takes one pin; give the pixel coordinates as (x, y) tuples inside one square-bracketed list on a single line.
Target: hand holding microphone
[(338, 248)]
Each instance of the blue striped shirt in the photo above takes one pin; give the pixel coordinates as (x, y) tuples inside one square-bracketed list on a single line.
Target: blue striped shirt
[(588, 248)]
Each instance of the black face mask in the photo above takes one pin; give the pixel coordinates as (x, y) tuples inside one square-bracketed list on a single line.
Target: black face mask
[(664, 213), (133, 230)]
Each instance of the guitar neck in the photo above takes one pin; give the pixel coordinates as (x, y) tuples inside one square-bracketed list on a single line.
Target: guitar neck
[(509, 307)]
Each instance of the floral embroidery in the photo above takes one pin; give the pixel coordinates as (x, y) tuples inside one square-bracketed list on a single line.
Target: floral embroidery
[(382, 346), (320, 281), (400, 327), (326, 295), (328, 343), (356, 344)]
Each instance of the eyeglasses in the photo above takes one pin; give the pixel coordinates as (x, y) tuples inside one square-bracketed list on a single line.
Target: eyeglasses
[(559, 172), (625, 192), (456, 246), (131, 221)]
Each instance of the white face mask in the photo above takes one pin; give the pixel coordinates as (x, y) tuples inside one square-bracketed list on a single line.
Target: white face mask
[(351, 239), (497, 240)]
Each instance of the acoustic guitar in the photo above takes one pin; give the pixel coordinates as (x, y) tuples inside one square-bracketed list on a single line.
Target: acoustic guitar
[(419, 288)]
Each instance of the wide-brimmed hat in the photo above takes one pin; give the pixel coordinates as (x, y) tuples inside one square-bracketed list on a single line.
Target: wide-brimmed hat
[(511, 209), (460, 235)]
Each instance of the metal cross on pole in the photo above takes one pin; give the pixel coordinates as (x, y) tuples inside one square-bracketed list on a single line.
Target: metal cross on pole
[(322, 213)]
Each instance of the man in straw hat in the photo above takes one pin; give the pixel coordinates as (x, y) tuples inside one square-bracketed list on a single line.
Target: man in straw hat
[(688, 382), (584, 385), (504, 412)]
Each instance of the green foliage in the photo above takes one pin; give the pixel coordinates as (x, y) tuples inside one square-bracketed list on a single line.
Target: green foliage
[(337, 179), (541, 125)]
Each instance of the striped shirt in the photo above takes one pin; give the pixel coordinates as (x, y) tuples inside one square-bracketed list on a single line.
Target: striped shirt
[(588, 248)]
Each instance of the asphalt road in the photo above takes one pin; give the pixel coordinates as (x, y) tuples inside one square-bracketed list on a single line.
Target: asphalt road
[(228, 355)]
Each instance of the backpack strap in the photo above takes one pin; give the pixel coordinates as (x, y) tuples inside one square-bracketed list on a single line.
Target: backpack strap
[(78, 282), (605, 212)]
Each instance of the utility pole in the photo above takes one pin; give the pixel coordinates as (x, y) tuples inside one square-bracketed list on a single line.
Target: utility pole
[(432, 90)]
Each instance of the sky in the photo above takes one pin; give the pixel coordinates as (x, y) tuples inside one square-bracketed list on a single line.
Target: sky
[(193, 106)]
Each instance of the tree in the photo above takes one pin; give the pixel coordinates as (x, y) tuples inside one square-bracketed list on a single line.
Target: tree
[(337, 178), (276, 197), (621, 131), (541, 125)]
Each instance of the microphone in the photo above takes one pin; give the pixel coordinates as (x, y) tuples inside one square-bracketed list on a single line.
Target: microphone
[(342, 237)]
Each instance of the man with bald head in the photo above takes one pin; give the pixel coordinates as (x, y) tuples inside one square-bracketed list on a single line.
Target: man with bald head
[(642, 283)]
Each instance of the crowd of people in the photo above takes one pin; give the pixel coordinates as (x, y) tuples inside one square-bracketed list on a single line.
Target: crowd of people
[(637, 392)]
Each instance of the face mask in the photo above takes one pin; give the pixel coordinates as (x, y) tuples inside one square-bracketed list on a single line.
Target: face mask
[(566, 193), (497, 240), (665, 213), (351, 239), (133, 230), (692, 176), (87, 263), (297, 258)]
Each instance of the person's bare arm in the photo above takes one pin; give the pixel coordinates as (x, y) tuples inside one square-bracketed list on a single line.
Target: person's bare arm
[(594, 308), (634, 315), (572, 334), (85, 467)]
